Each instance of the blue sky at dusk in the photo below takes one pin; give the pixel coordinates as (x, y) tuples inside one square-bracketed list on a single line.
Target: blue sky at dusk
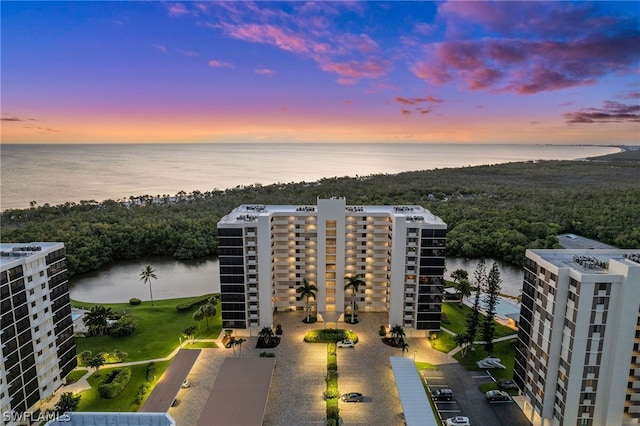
[(409, 72)]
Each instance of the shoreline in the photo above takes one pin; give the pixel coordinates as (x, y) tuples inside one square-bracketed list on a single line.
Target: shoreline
[(179, 196)]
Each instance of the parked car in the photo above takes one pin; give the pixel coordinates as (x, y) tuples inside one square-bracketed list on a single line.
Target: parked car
[(352, 397), (497, 396), (458, 421), (186, 384), (346, 343), (508, 384), (444, 394)]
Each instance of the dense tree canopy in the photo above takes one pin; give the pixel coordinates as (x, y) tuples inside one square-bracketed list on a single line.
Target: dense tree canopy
[(492, 211)]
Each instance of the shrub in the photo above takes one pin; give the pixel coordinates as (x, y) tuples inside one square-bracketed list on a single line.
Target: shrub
[(123, 327), (333, 393), (444, 319), (151, 371), (135, 301), (333, 413), (383, 331), (278, 330), (186, 306), (142, 391), (114, 383), (332, 422)]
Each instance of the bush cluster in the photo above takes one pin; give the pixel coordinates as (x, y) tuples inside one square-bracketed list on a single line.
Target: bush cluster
[(123, 327), (151, 371), (142, 391), (114, 383), (186, 306), (135, 301)]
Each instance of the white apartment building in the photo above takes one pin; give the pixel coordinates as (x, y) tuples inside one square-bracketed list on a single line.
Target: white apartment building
[(578, 354), (266, 252), (37, 348)]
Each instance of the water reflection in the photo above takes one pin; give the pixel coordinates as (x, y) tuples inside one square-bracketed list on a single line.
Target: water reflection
[(511, 276), (120, 282)]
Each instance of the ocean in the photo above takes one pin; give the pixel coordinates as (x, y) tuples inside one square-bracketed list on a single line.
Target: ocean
[(55, 174)]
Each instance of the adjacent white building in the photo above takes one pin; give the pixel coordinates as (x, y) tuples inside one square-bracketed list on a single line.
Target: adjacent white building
[(37, 348), (266, 252), (578, 353)]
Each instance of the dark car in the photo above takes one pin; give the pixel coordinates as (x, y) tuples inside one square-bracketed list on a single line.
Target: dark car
[(508, 384), (352, 397), (444, 394), (497, 396)]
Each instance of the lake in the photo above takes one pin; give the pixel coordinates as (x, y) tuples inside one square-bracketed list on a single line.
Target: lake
[(121, 281)]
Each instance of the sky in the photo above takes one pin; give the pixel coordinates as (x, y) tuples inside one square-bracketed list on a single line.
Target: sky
[(552, 72)]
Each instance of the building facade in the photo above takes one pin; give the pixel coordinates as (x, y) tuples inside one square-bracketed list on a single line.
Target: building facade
[(266, 252), (578, 353), (37, 348)]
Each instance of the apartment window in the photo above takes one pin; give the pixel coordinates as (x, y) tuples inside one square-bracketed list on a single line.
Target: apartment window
[(39, 353), (29, 278), (46, 310), (42, 286), (42, 275), (32, 291), (44, 297), (33, 304), (35, 316), (36, 329)]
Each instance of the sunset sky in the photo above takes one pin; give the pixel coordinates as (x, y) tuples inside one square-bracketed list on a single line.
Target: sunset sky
[(409, 72)]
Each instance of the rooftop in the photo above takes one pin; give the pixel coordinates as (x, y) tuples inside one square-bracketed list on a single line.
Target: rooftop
[(591, 261), (250, 212), (113, 419), (572, 241), (10, 252)]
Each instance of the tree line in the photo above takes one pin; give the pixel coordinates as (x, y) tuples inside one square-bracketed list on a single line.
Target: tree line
[(493, 211)]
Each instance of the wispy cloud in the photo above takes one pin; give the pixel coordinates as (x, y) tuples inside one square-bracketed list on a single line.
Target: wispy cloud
[(265, 71), (611, 112), (414, 101), (219, 64), (177, 9), (161, 48)]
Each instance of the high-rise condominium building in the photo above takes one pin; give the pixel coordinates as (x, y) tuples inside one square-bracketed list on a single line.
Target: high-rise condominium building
[(578, 353), (266, 252), (37, 348)]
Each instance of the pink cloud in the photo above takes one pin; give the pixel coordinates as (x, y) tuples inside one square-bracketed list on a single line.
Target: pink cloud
[(219, 64), (414, 101), (188, 53), (356, 70), (177, 9), (611, 111), (265, 71), (161, 48), (268, 34)]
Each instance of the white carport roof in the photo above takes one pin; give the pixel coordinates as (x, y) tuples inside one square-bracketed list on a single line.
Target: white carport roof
[(414, 399)]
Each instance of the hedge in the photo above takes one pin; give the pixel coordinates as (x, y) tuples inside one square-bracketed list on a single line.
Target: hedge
[(185, 306), (114, 383)]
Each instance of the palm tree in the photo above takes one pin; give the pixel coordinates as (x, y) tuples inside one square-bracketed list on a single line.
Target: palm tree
[(265, 334), (208, 310), (198, 316), (96, 319), (145, 275), (237, 342), (405, 348), (96, 362), (464, 288), (307, 290), (353, 282), (398, 333)]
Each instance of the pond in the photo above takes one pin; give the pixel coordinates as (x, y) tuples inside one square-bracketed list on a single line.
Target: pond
[(121, 281)]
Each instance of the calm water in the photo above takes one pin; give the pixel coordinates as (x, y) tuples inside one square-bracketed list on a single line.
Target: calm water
[(56, 174), (120, 282)]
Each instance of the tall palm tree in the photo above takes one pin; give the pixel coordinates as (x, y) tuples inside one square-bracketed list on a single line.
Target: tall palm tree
[(198, 316), (353, 283), (208, 310), (405, 348), (146, 275), (464, 288), (307, 291), (96, 319)]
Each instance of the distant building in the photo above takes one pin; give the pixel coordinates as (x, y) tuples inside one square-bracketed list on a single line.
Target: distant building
[(578, 354), (266, 252), (37, 348)]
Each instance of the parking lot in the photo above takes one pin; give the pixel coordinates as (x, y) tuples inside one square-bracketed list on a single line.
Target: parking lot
[(467, 399)]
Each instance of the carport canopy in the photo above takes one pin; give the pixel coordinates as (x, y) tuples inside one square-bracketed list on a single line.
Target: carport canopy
[(240, 393), (169, 384), (415, 402)]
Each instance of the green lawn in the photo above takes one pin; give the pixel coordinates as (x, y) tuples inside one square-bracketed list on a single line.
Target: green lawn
[(457, 317), (158, 329), (443, 343), (91, 401), (506, 351), (200, 345), (75, 375)]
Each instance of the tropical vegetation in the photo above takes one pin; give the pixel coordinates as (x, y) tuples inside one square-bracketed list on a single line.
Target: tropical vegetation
[(491, 211), (353, 283), (146, 275), (307, 291)]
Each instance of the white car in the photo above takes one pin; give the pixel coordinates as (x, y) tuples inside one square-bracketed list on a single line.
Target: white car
[(458, 421), (346, 343)]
